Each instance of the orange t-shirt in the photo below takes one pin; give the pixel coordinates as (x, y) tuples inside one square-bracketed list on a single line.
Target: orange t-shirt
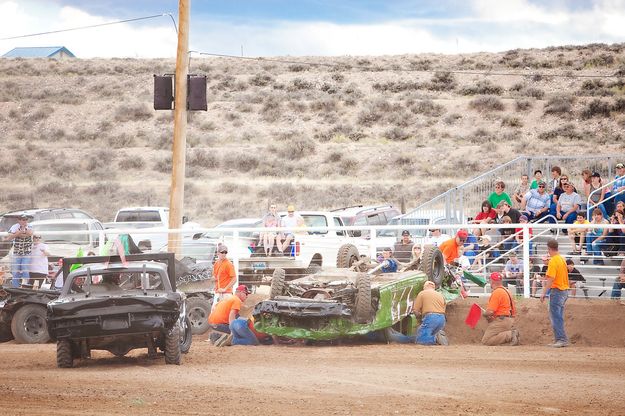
[(500, 302), (223, 273), (221, 313), (451, 250), (557, 270)]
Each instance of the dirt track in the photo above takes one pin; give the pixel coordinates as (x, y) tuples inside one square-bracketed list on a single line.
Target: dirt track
[(463, 378)]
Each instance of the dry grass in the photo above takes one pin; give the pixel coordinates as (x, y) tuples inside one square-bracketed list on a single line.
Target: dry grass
[(360, 130)]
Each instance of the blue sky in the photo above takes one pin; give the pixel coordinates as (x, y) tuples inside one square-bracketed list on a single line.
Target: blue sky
[(314, 27)]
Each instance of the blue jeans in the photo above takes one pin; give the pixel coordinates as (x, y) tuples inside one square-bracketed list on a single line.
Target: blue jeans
[(19, 269), (557, 299), (593, 247), (241, 333), (570, 219), (431, 324), (616, 289)]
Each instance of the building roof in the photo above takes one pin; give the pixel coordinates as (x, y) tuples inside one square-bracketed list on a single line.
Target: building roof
[(37, 52)]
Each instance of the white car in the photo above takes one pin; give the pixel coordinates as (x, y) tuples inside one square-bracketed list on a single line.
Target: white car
[(65, 236)]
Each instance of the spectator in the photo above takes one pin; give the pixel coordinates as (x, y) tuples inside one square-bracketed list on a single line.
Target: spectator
[(538, 176), (616, 238), (596, 198), (436, 237), (39, 262), (504, 209), (500, 314), (499, 194), (539, 275), (518, 232), (619, 283), (575, 277), (522, 188), (291, 222), (557, 280), (568, 204), (223, 273), (577, 234), (618, 188), (471, 248), (557, 191), (268, 238), (430, 305), (403, 248), (586, 179), (535, 203), (389, 263), (507, 235), (21, 234), (555, 178), (596, 237), (415, 258), (487, 212), (225, 318), (452, 248), (513, 273)]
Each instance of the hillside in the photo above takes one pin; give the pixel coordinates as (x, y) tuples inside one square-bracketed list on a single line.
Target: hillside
[(346, 130)]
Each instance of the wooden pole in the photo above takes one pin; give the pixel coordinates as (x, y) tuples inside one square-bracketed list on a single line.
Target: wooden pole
[(176, 198)]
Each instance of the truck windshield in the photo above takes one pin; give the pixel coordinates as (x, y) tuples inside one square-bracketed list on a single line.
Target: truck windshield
[(137, 216)]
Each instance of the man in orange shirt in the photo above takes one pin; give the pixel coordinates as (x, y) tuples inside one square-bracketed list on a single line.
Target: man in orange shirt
[(223, 273), (500, 314), (225, 319), (557, 279), (452, 248)]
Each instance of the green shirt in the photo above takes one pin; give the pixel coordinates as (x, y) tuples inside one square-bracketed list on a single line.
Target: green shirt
[(495, 199)]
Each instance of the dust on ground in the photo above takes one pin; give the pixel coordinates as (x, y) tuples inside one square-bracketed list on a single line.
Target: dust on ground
[(365, 379)]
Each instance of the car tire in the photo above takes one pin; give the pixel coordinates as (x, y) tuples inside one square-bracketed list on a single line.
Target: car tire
[(198, 310), (277, 283), (64, 357), (347, 256), (433, 264), (5, 327), (313, 268), (186, 336), (172, 346), (363, 308), (29, 325)]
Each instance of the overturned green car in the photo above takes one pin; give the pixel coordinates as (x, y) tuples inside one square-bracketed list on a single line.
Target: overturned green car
[(348, 303)]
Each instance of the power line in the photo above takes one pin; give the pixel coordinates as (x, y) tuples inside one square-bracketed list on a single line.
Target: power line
[(91, 26), (431, 71)]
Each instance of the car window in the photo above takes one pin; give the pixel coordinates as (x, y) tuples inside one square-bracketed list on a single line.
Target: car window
[(64, 215), (81, 215), (316, 221), (76, 238), (374, 219), (134, 216), (7, 222), (338, 223), (110, 283)]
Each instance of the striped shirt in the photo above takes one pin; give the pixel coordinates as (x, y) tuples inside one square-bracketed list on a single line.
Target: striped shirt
[(536, 201)]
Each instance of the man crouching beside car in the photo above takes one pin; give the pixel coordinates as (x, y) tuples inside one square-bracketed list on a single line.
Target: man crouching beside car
[(431, 306)]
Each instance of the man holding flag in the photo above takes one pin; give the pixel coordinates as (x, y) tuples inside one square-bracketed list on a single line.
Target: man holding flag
[(500, 314)]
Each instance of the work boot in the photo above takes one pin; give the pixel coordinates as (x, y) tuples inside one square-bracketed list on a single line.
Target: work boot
[(441, 338), (515, 337), (559, 344)]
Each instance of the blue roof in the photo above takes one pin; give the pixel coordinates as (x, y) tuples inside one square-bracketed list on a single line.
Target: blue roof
[(37, 52)]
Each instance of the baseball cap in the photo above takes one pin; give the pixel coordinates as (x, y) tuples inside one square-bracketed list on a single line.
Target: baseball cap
[(405, 232), (23, 217), (620, 166), (596, 175), (496, 276), (462, 234), (523, 218), (244, 289), (222, 247)]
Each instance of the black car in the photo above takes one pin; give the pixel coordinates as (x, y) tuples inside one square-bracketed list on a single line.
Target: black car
[(107, 304)]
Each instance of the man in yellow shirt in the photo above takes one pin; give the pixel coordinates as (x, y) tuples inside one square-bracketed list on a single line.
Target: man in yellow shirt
[(557, 280)]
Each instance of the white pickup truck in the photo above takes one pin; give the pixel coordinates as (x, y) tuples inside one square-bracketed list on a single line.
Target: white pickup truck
[(150, 223)]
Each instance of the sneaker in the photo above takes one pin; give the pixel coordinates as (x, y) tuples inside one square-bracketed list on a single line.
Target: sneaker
[(515, 337), (559, 344), (441, 338), (224, 340)]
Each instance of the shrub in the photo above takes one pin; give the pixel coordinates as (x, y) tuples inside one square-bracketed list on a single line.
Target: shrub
[(298, 147), (561, 104), (203, 159), (427, 108), (596, 108), (163, 165), (397, 134), (441, 81), (241, 161), (396, 86), (374, 112), (487, 103), (481, 135), (261, 80), (300, 84), (136, 162), (133, 112), (121, 141), (522, 104), (482, 87), (509, 121), (298, 68), (567, 131)]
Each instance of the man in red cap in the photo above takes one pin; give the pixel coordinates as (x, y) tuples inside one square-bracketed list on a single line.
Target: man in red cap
[(452, 248), (225, 319), (500, 314)]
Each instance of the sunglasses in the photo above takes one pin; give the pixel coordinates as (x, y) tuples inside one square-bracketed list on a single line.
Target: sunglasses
[(541, 186), (36, 238), (224, 252)]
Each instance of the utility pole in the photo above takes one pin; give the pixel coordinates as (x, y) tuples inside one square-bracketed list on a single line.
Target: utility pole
[(178, 160)]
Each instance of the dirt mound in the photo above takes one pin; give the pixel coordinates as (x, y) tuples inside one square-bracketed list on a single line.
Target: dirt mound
[(588, 322)]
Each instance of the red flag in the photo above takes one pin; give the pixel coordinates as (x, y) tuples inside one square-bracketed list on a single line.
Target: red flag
[(474, 315)]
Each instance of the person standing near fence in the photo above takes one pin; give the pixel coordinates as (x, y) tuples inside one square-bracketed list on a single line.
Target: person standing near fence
[(500, 314), (557, 280), (224, 274), (39, 261), (22, 236)]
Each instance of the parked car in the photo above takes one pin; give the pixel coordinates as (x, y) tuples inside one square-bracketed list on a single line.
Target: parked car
[(37, 214), (366, 215), (84, 234)]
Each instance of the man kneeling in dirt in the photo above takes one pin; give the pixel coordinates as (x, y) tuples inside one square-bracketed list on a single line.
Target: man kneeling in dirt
[(228, 326), (500, 314), (431, 306)]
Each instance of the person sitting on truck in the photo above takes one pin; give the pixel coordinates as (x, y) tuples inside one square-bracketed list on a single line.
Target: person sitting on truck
[(403, 247), (268, 238), (223, 273), (290, 222)]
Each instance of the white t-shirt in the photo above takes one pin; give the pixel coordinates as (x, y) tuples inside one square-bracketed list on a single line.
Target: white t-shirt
[(39, 261), (291, 222)]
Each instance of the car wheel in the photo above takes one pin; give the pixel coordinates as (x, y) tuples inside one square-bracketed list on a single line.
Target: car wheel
[(277, 283), (433, 264), (313, 268), (363, 308), (29, 325), (347, 256), (186, 336), (64, 357), (172, 346), (198, 310)]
